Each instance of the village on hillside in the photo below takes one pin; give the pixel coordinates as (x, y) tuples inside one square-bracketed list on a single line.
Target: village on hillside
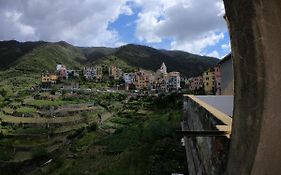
[(210, 82)]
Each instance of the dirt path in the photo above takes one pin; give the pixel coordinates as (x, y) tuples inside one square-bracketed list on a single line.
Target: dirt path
[(104, 118)]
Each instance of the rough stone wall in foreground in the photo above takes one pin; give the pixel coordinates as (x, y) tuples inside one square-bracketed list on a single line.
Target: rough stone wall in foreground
[(255, 32), (205, 155)]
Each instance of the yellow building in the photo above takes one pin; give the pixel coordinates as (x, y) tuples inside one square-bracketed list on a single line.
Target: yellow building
[(99, 73), (49, 78), (209, 81), (141, 80)]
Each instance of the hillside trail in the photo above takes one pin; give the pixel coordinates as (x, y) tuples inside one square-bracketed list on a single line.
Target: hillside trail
[(104, 118)]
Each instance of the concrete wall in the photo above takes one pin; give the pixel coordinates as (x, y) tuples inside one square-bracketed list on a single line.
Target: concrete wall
[(227, 79), (205, 155), (255, 32)]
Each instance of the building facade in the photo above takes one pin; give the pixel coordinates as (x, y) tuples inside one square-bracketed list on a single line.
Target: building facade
[(217, 72), (129, 78), (141, 80), (62, 72), (195, 83), (99, 73), (209, 81), (227, 78), (114, 72), (163, 68), (90, 73), (49, 78), (173, 80)]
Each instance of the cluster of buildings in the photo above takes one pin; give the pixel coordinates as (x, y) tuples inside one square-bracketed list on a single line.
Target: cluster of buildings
[(96, 73), (217, 80), (160, 81), (62, 73)]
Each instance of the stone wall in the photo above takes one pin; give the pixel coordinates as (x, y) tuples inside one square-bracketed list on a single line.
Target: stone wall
[(255, 33), (205, 155)]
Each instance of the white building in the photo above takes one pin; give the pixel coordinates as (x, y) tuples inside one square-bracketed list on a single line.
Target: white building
[(129, 78), (173, 81), (163, 68), (89, 72), (59, 66)]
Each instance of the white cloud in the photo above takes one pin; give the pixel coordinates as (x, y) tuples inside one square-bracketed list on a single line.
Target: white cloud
[(191, 24), (78, 22), (197, 45), (213, 54), (225, 46)]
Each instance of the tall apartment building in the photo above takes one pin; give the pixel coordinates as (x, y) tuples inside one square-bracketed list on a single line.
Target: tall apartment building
[(99, 74), (114, 72), (217, 73), (141, 80), (195, 83), (90, 73), (209, 81), (129, 78), (173, 80)]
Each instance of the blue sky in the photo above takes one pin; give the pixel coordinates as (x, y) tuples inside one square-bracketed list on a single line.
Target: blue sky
[(189, 25)]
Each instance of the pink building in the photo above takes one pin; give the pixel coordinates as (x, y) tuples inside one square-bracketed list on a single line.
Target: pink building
[(62, 72), (195, 83), (218, 79)]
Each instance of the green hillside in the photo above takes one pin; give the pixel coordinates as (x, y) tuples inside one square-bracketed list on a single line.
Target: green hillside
[(11, 51), (149, 58), (22, 63), (94, 53), (47, 56), (24, 71)]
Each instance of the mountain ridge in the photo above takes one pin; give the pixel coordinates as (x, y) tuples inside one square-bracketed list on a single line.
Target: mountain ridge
[(39, 55)]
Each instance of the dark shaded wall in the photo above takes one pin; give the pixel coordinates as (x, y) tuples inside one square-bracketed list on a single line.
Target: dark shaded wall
[(255, 31), (205, 155), (227, 80)]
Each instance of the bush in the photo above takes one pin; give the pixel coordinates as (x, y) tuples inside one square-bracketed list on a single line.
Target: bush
[(93, 126)]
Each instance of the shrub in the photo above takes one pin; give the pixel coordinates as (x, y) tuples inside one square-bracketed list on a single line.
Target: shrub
[(93, 126)]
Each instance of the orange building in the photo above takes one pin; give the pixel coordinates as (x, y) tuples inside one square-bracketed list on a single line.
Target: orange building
[(141, 80)]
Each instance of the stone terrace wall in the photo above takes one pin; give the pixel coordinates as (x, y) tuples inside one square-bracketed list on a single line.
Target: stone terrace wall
[(205, 155)]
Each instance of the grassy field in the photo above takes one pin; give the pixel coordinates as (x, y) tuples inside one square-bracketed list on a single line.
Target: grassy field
[(26, 110)]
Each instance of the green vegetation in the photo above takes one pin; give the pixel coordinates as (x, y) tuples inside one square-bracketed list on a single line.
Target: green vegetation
[(46, 103), (23, 62), (6, 154), (39, 153), (27, 131), (26, 110), (90, 132), (148, 145)]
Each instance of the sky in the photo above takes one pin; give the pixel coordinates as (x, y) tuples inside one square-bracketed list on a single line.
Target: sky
[(195, 26)]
